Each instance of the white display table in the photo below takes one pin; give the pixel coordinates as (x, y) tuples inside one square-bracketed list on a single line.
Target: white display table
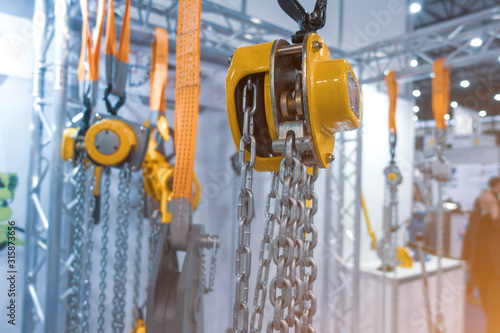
[(407, 284)]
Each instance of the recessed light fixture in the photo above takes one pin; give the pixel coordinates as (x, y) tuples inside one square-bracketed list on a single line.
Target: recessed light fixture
[(497, 97), (476, 42), (413, 62), (482, 113), (447, 116), (416, 109), (415, 7), (464, 83), (416, 93), (256, 20), (454, 104), (415, 118)]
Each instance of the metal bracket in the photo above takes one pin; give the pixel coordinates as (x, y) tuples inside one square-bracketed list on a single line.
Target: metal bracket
[(175, 301), (307, 22)]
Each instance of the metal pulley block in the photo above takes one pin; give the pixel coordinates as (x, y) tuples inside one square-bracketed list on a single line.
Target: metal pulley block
[(299, 89), (436, 168)]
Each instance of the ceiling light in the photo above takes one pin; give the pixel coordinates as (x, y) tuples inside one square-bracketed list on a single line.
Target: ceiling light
[(256, 20), (247, 36), (416, 109), (447, 116), (497, 97), (415, 7), (464, 83), (416, 93), (414, 63), (415, 118), (476, 42), (454, 104), (482, 113)]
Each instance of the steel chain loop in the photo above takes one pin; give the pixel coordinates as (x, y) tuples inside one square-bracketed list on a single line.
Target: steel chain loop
[(245, 211), (138, 249), (87, 285), (104, 250), (265, 256), (120, 276), (77, 247), (152, 239)]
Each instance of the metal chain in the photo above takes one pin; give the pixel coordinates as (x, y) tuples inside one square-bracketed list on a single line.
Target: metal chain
[(138, 249), (284, 246), (153, 237), (440, 250), (87, 285), (310, 237), (76, 264), (265, 256), (385, 254), (245, 211), (120, 276), (104, 250), (209, 287), (395, 284)]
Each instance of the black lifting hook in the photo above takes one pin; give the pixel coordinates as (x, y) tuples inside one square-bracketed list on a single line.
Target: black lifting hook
[(307, 22)]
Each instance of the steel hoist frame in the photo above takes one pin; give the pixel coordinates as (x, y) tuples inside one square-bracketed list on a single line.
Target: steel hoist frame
[(283, 120)]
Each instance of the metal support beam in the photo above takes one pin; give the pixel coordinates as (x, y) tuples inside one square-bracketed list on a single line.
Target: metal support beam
[(449, 39)]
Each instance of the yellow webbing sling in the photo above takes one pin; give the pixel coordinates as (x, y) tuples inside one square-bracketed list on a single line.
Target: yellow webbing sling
[(186, 95)]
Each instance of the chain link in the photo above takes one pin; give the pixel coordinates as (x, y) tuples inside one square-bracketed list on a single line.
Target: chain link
[(138, 249), (104, 250), (120, 276), (152, 238), (87, 285), (245, 212), (77, 248), (265, 256)]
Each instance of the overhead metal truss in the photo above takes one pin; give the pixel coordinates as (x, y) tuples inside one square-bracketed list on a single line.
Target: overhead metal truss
[(449, 39), (435, 11), (223, 29)]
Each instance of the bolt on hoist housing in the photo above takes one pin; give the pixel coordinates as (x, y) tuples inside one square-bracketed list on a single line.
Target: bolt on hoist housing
[(299, 89)]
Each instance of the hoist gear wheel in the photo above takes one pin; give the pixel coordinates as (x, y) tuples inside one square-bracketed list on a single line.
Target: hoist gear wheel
[(294, 83)]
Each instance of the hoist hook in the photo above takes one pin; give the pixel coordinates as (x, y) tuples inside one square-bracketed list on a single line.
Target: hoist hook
[(308, 22)]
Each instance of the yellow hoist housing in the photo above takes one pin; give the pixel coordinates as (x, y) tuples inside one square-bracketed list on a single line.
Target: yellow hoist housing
[(300, 89)]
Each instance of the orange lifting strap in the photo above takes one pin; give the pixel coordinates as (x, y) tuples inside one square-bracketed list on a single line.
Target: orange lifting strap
[(159, 70), (94, 51), (392, 88), (124, 47), (186, 95), (440, 92)]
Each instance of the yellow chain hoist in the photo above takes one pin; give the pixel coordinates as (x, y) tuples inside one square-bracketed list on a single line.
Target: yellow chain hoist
[(299, 89), (107, 141)]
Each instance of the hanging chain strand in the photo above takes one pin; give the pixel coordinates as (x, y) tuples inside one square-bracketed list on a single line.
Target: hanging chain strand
[(76, 264), (283, 249), (395, 286), (87, 285), (310, 236), (138, 250), (385, 254), (208, 287), (265, 256), (152, 239), (120, 276), (104, 250), (245, 211)]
